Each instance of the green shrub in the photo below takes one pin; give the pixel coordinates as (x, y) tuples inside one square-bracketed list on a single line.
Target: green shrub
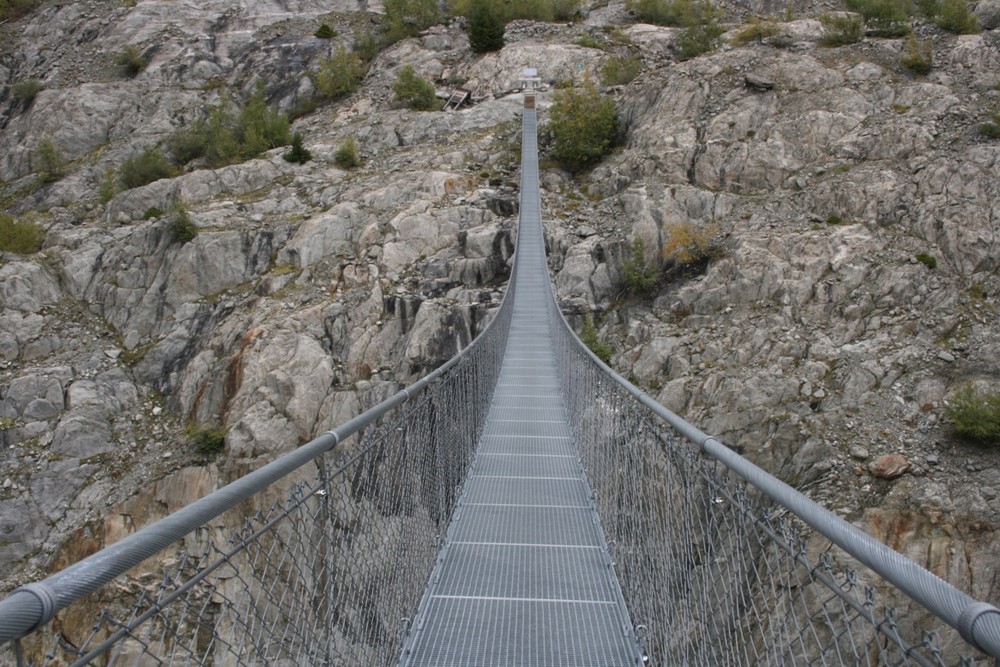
[(991, 128), (954, 16), (182, 228), (206, 440), (130, 60), (757, 30), (23, 92), (366, 45), (11, 10), (975, 416), (152, 212), (346, 156), (618, 71), (639, 276), (485, 27), (531, 10), (413, 91), (918, 56), (49, 162), (927, 260), (834, 219), (108, 187), (325, 32), (340, 74), (22, 238), (584, 126), (261, 128), (405, 18), (298, 154), (688, 245), (588, 336), (660, 12), (702, 30), (841, 29), (884, 18), (224, 137), (146, 167)]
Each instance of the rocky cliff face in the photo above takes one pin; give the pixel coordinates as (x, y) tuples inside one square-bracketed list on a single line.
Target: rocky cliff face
[(813, 341)]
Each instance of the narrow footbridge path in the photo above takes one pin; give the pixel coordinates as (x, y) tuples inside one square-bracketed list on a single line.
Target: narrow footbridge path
[(522, 505), (525, 577)]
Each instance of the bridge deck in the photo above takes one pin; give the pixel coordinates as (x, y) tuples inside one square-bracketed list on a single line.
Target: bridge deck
[(525, 577)]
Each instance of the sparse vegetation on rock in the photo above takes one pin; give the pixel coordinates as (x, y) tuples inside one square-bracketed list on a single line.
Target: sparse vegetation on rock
[(346, 156), (144, 168), (340, 74), (131, 61), (22, 238), (975, 415), (584, 125), (414, 91)]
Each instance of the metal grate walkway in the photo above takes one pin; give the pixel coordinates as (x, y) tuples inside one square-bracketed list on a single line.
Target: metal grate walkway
[(525, 577)]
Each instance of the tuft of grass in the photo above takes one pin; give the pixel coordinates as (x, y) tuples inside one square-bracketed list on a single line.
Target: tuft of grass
[(130, 61), (757, 30), (919, 55), (346, 156), (975, 416), (148, 166), (841, 29), (834, 219), (24, 92), (589, 337), (991, 128), (884, 18), (208, 441), (927, 260), (22, 238)]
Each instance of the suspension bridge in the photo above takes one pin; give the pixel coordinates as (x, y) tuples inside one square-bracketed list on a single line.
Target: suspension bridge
[(522, 505)]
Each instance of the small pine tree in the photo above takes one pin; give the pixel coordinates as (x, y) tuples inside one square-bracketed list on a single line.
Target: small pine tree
[(486, 27), (182, 228), (325, 32), (298, 154)]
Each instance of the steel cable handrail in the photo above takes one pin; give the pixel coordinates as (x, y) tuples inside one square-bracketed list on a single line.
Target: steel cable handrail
[(33, 605), (977, 622)]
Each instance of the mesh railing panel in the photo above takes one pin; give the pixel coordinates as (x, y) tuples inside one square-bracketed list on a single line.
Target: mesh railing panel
[(713, 572), (323, 568)]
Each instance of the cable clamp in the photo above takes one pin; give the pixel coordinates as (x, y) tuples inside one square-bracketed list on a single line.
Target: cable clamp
[(46, 597), (970, 616)]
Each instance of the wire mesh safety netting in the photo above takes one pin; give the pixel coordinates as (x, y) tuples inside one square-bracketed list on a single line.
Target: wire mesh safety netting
[(712, 571), (323, 568)]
